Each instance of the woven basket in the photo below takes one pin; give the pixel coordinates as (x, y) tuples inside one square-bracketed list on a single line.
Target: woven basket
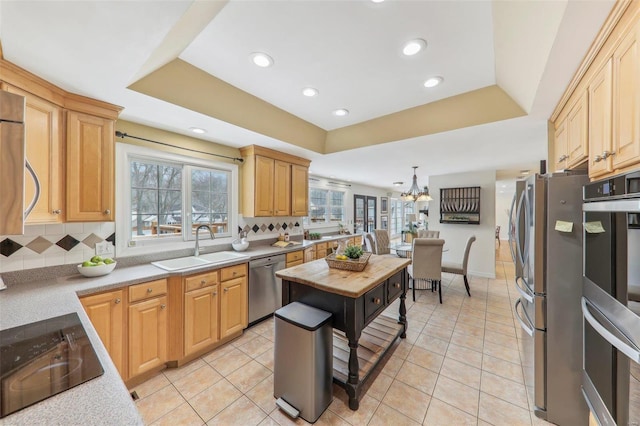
[(356, 265)]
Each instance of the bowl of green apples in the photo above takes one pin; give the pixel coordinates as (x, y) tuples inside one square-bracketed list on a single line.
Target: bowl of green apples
[(97, 266)]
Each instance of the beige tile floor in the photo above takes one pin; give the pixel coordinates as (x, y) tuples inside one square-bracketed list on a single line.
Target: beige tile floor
[(462, 363)]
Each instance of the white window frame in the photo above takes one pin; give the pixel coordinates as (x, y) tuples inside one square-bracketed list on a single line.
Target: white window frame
[(125, 245), (308, 224)]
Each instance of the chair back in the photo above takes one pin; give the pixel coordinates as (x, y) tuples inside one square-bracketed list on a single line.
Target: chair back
[(426, 258), (369, 242), (425, 233), (382, 241), (467, 249), (498, 232)]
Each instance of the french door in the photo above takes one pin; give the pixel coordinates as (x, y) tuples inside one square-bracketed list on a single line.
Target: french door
[(364, 213)]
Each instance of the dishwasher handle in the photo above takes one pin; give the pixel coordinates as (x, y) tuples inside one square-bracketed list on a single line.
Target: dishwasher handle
[(268, 261)]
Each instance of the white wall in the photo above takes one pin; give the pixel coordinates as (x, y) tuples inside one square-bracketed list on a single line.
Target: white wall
[(505, 189), (482, 257)]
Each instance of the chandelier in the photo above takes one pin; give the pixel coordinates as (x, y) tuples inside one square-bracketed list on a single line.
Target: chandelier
[(415, 193)]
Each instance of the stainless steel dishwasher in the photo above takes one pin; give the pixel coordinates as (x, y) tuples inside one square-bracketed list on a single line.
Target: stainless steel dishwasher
[(265, 290)]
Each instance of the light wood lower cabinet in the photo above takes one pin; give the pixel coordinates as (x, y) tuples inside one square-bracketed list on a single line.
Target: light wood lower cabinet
[(294, 258), (233, 306), (148, 322), (201, 318), (107, 314)]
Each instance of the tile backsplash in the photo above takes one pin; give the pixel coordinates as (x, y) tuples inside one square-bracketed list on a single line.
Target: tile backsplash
[(52, 245), (263, 227)]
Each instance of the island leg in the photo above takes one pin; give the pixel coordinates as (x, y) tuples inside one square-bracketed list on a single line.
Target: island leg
[(403, 306), (353, 382)]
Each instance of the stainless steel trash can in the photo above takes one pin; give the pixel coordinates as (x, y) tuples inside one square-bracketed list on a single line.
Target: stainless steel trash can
[(303, 360)]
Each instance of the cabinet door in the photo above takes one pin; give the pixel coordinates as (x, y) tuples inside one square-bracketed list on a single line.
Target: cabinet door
[(200, 319), (233, 306), (148, 335), (600, 121), (299, 190), (44, 153), (309, 254), (90, 168), (626, 101), (282, 188), (264, 186), (560, 146), (577, 126), (106, 312)]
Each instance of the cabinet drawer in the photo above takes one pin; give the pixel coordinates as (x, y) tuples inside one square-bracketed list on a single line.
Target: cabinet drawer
[(200, 280), (147, 290), (321, 254), (295, 263), (233, 272), (294, 256), (374, 302), (394, 286), (322, 246)]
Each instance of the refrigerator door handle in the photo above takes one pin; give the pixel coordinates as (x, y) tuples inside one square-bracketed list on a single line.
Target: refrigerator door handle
[(512, 226), (526, 293), (525, 327), (631, 351), (527, 228), (518, 245)]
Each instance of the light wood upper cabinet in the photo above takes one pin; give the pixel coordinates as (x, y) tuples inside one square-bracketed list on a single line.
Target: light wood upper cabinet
[(107, 314), (44, 153), (201, 318), (90, 168), (148, 335), (626, 101), (560, 146), (273, 183), (600, 109), (233, 306), (282, 189), (577, 127), (299, 190)]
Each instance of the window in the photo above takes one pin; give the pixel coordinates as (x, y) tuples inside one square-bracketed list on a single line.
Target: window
[(326, 206), (166, 197), (399, 211)]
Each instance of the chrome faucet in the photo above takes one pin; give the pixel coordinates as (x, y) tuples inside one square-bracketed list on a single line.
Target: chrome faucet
[(197, 252)]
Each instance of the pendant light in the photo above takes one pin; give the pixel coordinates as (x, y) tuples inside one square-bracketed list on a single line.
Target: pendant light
[(415, 193)]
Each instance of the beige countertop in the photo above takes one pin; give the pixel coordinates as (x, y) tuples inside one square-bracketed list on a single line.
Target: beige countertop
[(318, 274)]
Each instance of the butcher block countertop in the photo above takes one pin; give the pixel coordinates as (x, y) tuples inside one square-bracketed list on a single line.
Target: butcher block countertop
[(318, 274)]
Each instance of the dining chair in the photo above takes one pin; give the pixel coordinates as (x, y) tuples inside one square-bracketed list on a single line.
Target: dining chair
[(426, 263), (461, 268), (382, 241), (498, 234), (369, 243), (425, 233)]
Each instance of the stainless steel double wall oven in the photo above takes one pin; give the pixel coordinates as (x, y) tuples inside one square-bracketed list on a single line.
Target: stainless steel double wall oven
[(611, 299)]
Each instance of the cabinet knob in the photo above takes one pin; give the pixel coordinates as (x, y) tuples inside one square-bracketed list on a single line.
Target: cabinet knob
[(235, 273), (396, 285), (226, 290), (149, 290), (57, 211), (376, 300), (215, 293), (562, 158), (107, 211), (598, 158), (118, 301), (607, 154), (163, 306), (203, 282)]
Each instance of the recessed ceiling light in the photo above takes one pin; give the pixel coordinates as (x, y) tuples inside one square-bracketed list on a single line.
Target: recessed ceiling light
[(433, 81), (309, 91), (377, 1), (197, 130), (262, 59), (414, 46), (341, 112), (397, 183), (525, 172)]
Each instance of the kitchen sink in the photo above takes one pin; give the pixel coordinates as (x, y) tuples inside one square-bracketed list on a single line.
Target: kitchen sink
[(193, 261)]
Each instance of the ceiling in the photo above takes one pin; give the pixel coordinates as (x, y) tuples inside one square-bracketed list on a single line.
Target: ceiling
[(350, 51)]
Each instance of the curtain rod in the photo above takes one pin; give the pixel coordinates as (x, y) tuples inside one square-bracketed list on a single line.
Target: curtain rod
[(123, 135)]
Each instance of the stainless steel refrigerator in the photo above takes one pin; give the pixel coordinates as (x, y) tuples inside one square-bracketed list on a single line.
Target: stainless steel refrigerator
[(548, 257)]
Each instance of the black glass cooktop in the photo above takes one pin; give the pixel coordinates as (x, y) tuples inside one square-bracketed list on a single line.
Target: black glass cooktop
[(41, 359)]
